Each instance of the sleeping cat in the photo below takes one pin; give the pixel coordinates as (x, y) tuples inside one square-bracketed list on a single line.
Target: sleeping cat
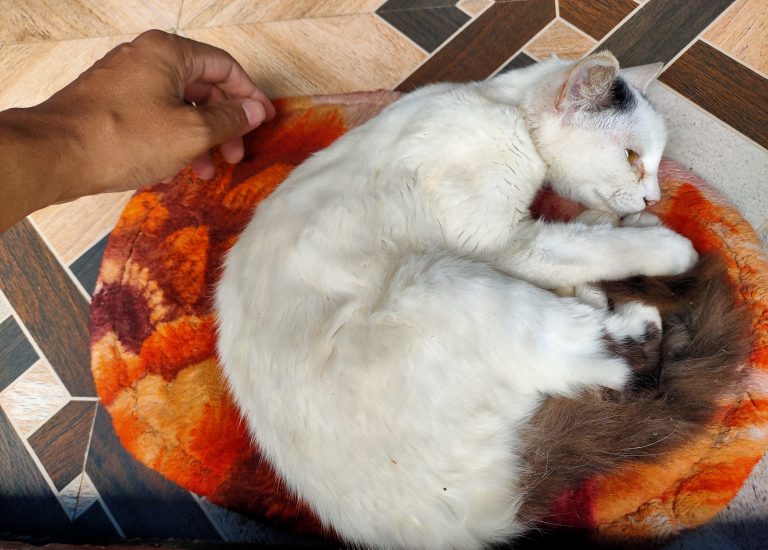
[(385, 319)]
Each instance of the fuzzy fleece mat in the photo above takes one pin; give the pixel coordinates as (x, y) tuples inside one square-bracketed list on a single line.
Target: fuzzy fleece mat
[(153, 358)]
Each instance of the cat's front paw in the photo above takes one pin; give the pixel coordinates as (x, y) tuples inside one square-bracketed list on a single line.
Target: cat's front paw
[(641, 219), (668, 253)]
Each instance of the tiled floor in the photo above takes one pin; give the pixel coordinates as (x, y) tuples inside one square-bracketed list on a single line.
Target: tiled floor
[(62, 471)]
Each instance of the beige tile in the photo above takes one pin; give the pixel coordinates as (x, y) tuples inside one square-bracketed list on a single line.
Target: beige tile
[(78, 496), (33, 72), (38, 20), (742, 32), (5, 307), (559, 39), (73, 227), (474, 7), (33, 398), (216, 13), (319, 56)]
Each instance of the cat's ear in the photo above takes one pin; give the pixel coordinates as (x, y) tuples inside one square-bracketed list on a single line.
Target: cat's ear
[(641, 77), (587, 86)]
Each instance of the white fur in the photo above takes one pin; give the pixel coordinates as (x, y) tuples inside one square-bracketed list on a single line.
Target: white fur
[(383, 320)]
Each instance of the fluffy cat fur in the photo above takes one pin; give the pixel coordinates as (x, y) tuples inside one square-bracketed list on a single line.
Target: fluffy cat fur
[(384, 319)]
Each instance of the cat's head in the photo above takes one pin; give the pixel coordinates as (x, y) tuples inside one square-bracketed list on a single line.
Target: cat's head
[(599, 135)]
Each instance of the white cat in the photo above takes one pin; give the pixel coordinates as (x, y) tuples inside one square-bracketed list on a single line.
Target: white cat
[(384, 323)]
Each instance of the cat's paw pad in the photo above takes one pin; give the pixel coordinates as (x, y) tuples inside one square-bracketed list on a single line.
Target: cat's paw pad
[(641, 219), (591, 295), (634, 320), (598, 217)]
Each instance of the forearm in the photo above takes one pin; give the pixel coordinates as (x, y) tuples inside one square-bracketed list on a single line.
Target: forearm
[(37, 163)]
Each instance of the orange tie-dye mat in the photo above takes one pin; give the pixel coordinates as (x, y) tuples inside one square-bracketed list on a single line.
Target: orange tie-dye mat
[(154, 362)]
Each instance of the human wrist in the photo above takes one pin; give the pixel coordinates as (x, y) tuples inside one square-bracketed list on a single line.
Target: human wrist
[(40, 147)]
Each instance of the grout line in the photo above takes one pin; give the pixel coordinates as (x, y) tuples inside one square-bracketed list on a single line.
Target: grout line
[(93, 243), (36, 347), (697, 37), (59, 259), (107, 511), (578, 30), (198, 499), (431, 55), (557, 9), (85, 462), (713, 117), (722, 51), (478, 14), (522, 49), (41, 469), (618, 25), (85, 399)]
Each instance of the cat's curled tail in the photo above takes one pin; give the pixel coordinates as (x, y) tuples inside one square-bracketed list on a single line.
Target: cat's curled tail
[(679, 379)]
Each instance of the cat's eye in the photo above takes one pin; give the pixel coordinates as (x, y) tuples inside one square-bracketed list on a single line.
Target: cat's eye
[(631, 156)]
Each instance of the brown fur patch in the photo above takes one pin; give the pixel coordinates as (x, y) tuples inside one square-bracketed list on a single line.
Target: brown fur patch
[(679, 380)]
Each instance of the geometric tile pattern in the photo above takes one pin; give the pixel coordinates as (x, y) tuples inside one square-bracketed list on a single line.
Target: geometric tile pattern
[(63, 471)]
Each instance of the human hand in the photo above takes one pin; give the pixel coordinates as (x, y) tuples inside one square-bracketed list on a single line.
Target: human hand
[(132, 119)]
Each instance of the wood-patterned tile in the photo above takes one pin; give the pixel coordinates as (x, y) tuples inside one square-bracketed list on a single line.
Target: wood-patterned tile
[(742, 32), (215, 13), (428, 27), (596, 17), (49, 304), (144, 503), (86, 267), (27, 506), (16, 353), (485, 44), (33, 398), (660, 29), (473, 7), (33, 72), (710, 78), (5, 308), (43, 20), (319, 56), (561, 40), (518, 62), (61, 443), (71, 228)]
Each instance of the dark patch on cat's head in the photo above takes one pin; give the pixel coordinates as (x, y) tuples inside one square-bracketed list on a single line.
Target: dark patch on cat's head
[(621, 97)]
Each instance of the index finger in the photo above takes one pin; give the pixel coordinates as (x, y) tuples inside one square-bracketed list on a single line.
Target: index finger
[(209, 64)]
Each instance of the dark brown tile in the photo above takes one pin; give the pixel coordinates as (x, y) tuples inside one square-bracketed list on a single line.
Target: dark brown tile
[(86, 267), (16, 353), (518, 62), (428, 28), (48, 303), (27, 504), (485, 44), (724, 87), (661, 29), (596, 17), (144, 503), (61, 443)]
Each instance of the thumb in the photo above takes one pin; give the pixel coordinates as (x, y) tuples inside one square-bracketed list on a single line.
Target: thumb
[(230, 119)]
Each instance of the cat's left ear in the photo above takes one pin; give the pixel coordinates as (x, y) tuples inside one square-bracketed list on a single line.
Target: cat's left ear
[(587, 86), (641, 77)]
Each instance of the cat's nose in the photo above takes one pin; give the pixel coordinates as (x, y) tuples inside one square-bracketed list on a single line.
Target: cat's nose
[(649, 202)]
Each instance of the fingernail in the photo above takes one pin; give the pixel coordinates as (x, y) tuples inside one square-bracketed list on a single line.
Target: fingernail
[(254, 111)]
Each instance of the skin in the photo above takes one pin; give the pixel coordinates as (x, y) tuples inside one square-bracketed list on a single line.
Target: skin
[(127, 122)]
